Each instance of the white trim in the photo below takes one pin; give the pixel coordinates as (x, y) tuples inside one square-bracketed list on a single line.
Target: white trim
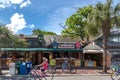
[(93, 51)]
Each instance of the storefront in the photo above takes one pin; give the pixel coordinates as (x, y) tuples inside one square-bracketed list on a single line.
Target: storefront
[(93, 55), (35, 55)]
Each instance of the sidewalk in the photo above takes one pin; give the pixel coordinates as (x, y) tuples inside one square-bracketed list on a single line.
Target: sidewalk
[(81, 72)]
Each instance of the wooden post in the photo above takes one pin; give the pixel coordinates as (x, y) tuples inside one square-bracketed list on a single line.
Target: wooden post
[(0, 63), (39, 57)]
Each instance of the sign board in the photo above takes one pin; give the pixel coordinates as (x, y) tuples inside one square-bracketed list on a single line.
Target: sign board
[(54, 44), (66, 45), (40, 37), (78, 45), (77, 62)]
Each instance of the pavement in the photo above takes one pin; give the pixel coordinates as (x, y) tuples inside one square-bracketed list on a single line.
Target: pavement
[(78, 72)]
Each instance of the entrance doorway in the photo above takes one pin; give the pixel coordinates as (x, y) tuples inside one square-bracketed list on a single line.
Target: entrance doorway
[(97, 57)]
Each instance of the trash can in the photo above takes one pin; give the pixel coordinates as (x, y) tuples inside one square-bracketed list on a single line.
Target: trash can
[(23, 69), (17, 66), (12, 68), (28, 66)]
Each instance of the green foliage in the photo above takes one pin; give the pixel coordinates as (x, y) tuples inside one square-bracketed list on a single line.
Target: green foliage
[(77, 24), (7, 39), (38, 31)]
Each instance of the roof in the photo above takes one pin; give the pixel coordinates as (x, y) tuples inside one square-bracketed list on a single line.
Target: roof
[(40, 49), (58, 38), (92, 46)]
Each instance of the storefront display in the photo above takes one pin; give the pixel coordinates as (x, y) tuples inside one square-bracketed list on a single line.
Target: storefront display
[(93, 60), (90, 63), (77, 62), (9, 57)]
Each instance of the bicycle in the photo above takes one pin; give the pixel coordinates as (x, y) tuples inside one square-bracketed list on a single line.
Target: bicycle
[(40, 75), (115, 75)]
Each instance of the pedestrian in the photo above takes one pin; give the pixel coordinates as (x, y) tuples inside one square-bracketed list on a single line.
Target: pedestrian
[(52, 65), (65, 65)]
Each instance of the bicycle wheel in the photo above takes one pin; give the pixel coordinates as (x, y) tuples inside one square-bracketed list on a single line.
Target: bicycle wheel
[(48, 76), (115, 76)]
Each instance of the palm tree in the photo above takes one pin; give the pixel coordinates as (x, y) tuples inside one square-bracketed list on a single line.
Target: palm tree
[(104, 16)]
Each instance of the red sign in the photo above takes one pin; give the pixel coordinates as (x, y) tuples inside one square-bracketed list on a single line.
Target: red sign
[(78, 45)]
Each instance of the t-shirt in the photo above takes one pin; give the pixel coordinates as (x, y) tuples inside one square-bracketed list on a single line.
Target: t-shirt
[(45, 65), (52, 62)]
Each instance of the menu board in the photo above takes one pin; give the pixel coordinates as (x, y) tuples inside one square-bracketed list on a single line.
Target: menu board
[(77, 62)]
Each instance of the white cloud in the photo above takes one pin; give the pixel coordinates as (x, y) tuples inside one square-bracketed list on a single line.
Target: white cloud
[(17, 22), (8, 3), (58, 17), (16, 1), (25, 4), (31, 25)]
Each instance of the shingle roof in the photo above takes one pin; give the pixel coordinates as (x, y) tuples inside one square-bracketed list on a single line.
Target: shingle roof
[(92, 46), (59, 38)]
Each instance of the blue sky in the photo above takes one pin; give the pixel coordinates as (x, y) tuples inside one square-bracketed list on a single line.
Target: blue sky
[(22, 16)]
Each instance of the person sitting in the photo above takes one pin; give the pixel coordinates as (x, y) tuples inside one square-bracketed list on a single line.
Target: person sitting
[(43, 67)]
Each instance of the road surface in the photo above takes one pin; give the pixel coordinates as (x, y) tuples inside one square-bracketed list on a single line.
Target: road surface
[(65, 78)]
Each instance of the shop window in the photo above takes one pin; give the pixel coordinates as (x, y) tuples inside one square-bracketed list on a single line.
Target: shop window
[(74, 55)]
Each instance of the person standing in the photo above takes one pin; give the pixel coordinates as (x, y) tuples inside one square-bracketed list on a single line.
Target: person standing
[(65, 65)]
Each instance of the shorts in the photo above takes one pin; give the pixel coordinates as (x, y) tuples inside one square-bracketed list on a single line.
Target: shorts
[(42, 70)]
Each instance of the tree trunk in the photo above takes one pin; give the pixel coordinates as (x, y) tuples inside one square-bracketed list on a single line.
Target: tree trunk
[(105, 31), (105, 61)]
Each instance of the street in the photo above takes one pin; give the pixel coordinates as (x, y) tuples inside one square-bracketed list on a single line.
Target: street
[(69, 78), (83, 78)]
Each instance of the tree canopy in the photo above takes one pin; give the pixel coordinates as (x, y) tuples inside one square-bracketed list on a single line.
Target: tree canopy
[(38, 31), (77, 26)]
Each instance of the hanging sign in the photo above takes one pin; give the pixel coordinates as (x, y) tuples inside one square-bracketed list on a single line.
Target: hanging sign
[(62, 45), (40, 37), (55, 44), (78, 45)]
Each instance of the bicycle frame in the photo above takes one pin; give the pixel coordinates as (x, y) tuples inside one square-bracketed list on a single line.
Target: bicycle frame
[(115, 75)]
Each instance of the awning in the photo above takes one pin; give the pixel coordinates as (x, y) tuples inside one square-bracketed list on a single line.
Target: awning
[(41, 49)]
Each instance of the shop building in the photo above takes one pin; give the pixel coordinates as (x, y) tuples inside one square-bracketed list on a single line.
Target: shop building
[(59, 47)]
